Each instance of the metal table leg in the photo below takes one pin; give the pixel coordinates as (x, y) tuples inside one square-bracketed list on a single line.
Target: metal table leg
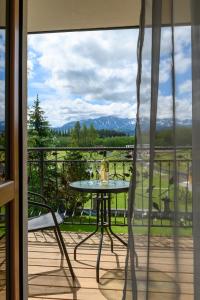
[(114, 234), (109, 223), (104, 222), (89, 236), (110, 238), (101, 238)]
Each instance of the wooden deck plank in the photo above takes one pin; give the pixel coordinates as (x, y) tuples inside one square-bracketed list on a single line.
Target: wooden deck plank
[(48, 280), (110, 258)]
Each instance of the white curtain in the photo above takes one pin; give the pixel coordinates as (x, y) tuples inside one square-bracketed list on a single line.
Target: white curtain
[(195, 9), (157, 228)]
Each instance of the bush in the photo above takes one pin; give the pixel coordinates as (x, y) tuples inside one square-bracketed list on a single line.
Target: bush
[(75, 169), (53, 179)]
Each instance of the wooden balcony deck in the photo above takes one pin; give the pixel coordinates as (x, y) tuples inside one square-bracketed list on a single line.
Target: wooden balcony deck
[(49, 277)]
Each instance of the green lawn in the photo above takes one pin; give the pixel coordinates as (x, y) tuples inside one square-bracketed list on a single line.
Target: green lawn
[(139, 230)]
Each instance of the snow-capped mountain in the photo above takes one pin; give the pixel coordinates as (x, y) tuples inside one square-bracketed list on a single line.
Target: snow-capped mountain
[(111, 123), (123, 124)]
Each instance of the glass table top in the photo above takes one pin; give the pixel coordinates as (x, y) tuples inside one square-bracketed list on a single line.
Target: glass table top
[(98, 186)]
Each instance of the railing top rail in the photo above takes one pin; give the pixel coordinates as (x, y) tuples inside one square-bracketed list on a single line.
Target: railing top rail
[(111, 161), (104, 148), (78, 148)]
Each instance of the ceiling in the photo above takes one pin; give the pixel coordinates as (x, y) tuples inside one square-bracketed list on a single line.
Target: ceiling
[(62, 15), (51, 15), (2, 13)]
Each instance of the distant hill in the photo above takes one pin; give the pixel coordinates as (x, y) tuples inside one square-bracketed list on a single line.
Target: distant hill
[(123, 124)]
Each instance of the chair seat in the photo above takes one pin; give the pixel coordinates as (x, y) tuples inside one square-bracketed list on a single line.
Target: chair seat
[(44, 221)]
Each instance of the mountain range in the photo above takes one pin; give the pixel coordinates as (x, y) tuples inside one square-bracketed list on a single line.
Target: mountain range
[(123, 124), (118, 124)]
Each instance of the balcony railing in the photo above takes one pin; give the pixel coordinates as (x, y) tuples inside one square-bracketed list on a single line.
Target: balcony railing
[(50, 171)]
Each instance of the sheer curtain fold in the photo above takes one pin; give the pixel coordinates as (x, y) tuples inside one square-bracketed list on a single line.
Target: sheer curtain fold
[(195, 9), (154, 198)]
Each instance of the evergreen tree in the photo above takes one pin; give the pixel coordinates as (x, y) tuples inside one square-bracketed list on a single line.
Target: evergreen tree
[(84, 136), (39, 131), (76, 134), (92, 132)]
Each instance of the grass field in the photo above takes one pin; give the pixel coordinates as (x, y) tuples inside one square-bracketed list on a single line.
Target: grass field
[(138, 230)]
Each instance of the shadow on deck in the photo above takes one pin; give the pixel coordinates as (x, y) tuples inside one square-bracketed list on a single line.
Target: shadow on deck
[(49, 277)]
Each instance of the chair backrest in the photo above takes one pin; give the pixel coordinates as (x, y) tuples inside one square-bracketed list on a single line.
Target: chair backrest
[(57, 205), (34, 211), (36, 197)]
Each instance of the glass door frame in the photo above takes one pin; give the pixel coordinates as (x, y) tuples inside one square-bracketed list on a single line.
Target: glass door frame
[(13, 191)]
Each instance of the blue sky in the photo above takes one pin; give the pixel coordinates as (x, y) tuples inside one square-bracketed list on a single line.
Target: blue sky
[(81, 75)]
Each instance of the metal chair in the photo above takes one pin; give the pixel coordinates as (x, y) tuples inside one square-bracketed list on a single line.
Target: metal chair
[(50, 220)]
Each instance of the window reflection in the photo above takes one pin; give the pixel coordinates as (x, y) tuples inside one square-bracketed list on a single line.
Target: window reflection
[(2, 105), (2, 253), (3, 209)]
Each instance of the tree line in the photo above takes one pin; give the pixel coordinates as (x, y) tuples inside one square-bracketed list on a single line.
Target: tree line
[(82, 136), (40, 134)]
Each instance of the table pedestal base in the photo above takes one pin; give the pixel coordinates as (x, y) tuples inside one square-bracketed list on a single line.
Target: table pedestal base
[(104, 224)]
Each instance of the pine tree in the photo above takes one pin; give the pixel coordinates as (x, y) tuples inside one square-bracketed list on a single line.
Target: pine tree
[(76, 134), (39, 131), (84, 136), (68, 132), (92, 132)]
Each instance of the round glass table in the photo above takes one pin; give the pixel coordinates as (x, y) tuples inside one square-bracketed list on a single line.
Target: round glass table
[(103, 210), (96, 186)]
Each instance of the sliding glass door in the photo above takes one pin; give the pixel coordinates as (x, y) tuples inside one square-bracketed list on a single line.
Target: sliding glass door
[(9, 150), (5, 185)]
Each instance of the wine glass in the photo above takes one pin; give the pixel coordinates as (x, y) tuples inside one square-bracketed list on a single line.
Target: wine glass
[(91, 174)]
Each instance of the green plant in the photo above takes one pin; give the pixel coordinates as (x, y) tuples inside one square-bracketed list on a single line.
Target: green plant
[(75, 169)]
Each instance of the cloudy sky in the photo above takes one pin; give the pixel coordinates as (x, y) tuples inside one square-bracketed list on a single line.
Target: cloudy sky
[(81, 75)]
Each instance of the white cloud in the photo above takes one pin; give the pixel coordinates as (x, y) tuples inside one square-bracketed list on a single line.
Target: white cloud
[(93, 65), (182, 43), (64, 110), (182, 63), (182, 39), (183, 109), (97, 67), (92, 74), (185, 87), (2, 49), (165, 108), (32, 58)]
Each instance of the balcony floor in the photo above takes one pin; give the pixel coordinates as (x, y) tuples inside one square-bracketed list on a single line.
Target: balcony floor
[(49, 279)]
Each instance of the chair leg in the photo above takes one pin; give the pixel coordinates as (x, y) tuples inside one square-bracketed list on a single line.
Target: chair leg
[(58, 241), (65, 252)]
